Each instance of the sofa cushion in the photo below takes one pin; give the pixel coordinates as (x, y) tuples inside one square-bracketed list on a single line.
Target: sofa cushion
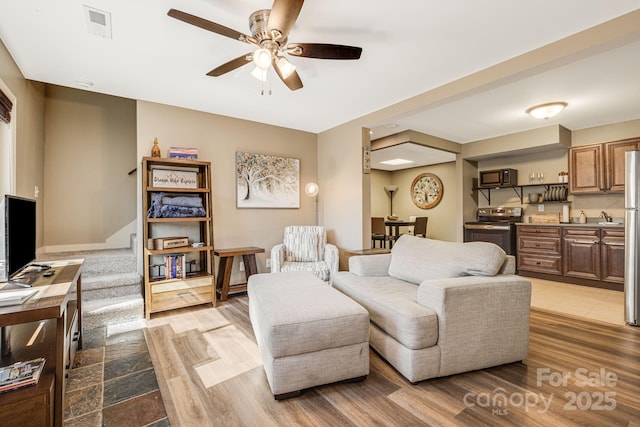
[(415, 259), (393, 307), (302, 247), (320, 268)]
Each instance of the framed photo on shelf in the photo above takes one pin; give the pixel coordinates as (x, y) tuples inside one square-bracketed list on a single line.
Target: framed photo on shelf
[(267, 181)]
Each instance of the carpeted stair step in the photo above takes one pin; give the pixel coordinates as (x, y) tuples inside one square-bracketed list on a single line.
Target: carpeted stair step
[(112, 311), (99, 262), (110, 286)]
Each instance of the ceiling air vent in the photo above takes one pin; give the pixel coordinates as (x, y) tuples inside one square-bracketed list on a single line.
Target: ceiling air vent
[(98, 21)]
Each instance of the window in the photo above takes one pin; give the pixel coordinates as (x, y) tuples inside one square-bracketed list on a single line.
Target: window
[(7, 170)]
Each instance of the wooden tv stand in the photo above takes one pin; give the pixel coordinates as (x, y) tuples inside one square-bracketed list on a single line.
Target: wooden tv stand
[(59, 319)]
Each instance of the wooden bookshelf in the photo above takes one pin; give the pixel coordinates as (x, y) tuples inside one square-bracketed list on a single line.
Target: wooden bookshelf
[(196, 287)]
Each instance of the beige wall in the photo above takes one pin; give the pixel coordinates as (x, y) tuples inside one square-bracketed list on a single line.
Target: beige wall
[(606, 133), (28, 119), (531, 141), (90, 148), (379, 197), (442, 224), (217, 139), (345, 203)]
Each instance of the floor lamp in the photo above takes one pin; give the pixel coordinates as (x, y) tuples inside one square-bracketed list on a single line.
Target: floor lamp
[(391, 189), (311, 190)]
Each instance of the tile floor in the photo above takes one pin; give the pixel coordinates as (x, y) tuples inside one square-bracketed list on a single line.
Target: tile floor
[(113, 383), (583, 301)]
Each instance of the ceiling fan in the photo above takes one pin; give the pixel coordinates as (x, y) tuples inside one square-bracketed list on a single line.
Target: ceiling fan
[(269, 33)]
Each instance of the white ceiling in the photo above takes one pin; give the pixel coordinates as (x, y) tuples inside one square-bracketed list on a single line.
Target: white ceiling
[(409, 47)]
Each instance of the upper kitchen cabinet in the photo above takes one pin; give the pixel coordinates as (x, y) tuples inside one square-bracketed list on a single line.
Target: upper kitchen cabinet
[(599, 168), (614, 161), (585, 169)]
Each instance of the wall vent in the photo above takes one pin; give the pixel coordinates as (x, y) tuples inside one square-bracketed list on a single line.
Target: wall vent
[(98, 21)]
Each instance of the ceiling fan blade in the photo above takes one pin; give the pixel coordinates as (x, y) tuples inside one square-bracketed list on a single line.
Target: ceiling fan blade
[(208, 25), (230, 66), (293, 81), (324, 51), (283, 15)]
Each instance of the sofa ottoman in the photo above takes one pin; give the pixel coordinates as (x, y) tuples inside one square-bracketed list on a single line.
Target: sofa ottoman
[(308, 333)]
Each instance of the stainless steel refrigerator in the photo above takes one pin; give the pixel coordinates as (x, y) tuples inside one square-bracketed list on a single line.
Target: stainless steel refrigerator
[(631, 238)]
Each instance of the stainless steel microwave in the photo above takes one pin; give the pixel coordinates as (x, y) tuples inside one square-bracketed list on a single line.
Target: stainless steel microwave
[(498, 178)]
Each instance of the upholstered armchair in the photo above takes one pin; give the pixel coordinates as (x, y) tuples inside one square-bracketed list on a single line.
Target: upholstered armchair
[(305, 248)]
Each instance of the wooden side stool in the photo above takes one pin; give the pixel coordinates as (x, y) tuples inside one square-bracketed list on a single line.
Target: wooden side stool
[(223, 289)]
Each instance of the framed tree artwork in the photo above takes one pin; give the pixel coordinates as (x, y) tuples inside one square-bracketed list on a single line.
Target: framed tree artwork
[(267, 181)]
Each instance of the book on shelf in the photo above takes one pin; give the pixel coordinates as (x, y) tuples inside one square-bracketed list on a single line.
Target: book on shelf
[(21, 374), (175, 266)]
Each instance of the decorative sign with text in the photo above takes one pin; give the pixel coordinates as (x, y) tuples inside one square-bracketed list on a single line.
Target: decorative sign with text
[(166, 178)]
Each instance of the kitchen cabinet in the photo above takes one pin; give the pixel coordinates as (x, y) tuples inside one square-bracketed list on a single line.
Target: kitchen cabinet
[(599, 168), (612, 256), (539, 249), (614, 161), (581, 252), (584, 255), (178, 271), (585, 169)]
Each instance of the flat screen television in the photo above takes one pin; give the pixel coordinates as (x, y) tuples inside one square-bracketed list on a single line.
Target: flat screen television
[(17, 235)]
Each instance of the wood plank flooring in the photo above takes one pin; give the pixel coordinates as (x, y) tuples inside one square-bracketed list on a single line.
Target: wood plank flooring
[(578, 373)]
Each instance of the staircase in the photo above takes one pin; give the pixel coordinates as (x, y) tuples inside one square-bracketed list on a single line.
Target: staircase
[(111, 286)]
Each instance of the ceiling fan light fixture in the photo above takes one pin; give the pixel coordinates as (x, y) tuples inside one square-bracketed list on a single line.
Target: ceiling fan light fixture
[(286, 67), (259, 74), (545, 111), (262, 58)]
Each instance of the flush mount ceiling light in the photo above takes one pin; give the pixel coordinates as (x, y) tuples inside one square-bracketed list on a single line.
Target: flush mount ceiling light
[(396, 162), (545, 111)]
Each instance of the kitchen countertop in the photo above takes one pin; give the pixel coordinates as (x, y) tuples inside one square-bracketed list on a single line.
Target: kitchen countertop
[(572, 224)]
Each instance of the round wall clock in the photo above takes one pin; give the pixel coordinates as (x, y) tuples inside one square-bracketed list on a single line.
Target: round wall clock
[(426, 190)]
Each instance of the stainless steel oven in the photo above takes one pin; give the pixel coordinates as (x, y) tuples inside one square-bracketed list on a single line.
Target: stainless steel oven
[(496, 225)]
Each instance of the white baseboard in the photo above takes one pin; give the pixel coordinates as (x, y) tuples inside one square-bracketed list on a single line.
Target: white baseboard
[(76, 248)]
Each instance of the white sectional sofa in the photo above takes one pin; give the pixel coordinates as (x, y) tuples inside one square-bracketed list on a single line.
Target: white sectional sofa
[(441, 308)]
